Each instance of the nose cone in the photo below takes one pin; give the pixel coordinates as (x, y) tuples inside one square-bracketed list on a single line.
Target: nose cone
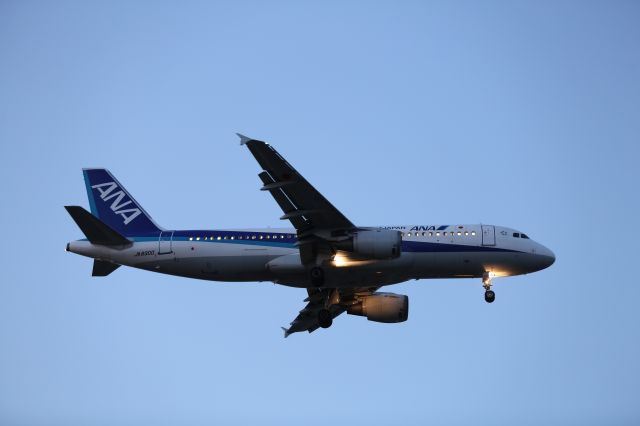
[(546, 257)]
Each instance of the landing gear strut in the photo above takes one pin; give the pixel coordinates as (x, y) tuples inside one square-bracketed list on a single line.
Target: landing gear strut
[(324, 318), (317, 276), (489, 295)]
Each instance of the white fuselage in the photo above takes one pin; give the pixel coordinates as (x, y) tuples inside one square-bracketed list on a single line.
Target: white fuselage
[(447, 251)]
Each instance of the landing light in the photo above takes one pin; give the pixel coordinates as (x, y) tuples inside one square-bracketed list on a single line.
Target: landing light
[(340, 260)]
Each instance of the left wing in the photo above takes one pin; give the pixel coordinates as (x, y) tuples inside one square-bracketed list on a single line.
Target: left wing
[(302, 204)]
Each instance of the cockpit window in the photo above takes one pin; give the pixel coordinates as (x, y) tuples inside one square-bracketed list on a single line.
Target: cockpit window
[(516, 235), (524, 236)]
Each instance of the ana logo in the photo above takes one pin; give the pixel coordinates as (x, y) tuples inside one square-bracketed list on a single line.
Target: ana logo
[(429, 228), (117, 205)]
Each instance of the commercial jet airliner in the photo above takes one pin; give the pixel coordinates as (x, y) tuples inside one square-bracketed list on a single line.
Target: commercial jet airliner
[(341, 265)]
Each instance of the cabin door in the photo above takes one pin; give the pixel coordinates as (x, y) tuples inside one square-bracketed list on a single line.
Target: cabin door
[(164, 242)]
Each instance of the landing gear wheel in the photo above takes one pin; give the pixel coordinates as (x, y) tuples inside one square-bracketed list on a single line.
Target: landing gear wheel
[(324, 318), (489, 296), (317, 277)]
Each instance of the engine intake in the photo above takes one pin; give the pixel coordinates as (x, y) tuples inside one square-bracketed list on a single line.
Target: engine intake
[(374, 244), (382, 307)]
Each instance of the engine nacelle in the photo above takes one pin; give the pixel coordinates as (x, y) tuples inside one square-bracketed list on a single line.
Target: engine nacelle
[(382, 307), (374, 244)]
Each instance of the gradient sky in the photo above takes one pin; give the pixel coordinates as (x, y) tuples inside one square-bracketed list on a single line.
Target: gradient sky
[(524, 114)]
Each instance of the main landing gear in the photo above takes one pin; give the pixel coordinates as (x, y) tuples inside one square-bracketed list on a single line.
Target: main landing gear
[(489, 295), (324, 318)]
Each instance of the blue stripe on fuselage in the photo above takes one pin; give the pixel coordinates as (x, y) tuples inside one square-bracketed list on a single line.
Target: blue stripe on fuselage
[(425, 247), (288, 240)]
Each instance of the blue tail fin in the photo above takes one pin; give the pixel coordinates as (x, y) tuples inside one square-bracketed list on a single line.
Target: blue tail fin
[(113, 205)]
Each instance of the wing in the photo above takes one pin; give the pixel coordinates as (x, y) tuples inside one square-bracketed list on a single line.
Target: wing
[(302, 204), (307, 319)]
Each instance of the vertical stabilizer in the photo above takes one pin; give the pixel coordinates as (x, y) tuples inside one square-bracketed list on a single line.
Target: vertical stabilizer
[(113, 205)]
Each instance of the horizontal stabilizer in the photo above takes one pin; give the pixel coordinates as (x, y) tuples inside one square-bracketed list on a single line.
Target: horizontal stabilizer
[(102, 268), (96, 231)]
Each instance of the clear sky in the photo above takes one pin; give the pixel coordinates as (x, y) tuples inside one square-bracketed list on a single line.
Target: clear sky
[(524, 114)]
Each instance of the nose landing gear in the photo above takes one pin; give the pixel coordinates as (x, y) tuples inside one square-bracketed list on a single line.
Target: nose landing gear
[(489, 295)]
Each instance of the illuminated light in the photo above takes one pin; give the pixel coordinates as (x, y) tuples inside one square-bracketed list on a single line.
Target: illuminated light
[(219, 237), (197, 238), (466, 232), (459, 233), (233, 238), (437, 234), (260, 236), (473, 232), (340, 260)]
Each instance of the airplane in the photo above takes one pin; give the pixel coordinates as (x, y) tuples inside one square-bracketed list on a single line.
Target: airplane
[(341, 265)]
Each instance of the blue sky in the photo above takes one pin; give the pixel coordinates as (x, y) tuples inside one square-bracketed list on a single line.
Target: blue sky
[(524, 114)]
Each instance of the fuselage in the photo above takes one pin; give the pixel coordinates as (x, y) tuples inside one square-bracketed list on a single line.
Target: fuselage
[(269, 254)]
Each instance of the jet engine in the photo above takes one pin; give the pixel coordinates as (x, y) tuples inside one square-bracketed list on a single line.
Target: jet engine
[(374, 244), (382, 307)]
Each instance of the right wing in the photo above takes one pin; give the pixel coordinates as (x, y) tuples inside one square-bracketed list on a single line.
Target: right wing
[(307, 319)]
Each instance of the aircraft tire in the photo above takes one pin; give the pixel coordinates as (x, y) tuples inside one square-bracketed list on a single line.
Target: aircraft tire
[(324, 318), (489, 296)]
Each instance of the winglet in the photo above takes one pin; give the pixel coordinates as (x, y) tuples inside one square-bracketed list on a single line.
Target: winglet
[(286, 332), (243, 139)]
